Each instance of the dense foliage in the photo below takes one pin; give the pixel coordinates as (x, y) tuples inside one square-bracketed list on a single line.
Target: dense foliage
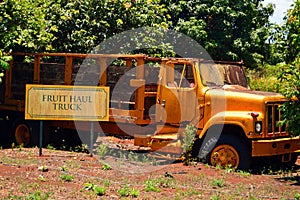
[(290, 87), (290, 75), (229, 30)]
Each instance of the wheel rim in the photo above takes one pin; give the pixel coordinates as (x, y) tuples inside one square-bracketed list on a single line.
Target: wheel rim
[(22, 134), (225, 155)]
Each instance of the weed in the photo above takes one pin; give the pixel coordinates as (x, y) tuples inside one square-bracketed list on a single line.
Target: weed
[(218, 167), (124, 192), (214, 197), (229, 169), (133, 157), (38, 196), (49, 146), (102, 150), (106, 183), (252, 198), (243, 173), (32, 196), (81, 148), (187, 144), (21, 147), (100, 191), (188, 193), (66, 177), (267, 171), (134, 193), (19, 161), (217, 182), (43, 168), (297, 196), (106, 166), (165, 182), (151, 185), (43, 179), (64, 168)]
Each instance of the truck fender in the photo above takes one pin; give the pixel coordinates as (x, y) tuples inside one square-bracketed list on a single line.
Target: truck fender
[(240, 119)]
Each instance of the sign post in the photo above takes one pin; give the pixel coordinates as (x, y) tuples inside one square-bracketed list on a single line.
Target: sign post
[(41, 137), (57, 102)]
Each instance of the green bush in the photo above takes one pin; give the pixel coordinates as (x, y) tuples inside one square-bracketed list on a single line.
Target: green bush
[(290, 88), (264, 78)]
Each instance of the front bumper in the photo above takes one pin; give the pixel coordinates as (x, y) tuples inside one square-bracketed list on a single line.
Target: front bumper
[(274, 147)]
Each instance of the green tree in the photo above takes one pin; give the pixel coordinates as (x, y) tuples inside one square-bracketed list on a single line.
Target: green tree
[(228, 30), (78, 26), (293, 32), (290, 77), (284, 39), (23, 26), (4, 59), (277, 44)]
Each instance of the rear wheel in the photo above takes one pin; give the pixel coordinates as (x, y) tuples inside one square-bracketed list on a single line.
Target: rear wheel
[(26, 133), (22, 134)]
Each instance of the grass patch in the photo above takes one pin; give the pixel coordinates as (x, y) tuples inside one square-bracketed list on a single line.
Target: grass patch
[(151, 185), (243, 173), (100, 191), (19, 161), (66, 177), (38, 195), (106, 166), (126, 192), (217, 182), (297, 196)]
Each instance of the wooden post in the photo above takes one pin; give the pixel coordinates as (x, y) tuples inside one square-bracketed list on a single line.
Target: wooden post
[(37, 69), (103, 70), (68, 70), (140, 94), (8, 82)]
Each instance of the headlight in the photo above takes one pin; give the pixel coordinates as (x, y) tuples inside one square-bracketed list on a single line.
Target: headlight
[(258, 127)]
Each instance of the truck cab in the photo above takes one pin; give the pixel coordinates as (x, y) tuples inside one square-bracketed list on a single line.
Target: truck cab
[(234, 123)]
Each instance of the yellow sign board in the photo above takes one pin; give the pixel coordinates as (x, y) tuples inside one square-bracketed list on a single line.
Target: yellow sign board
[(53, 102)]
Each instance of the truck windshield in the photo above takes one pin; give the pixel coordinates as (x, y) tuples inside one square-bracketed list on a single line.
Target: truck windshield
[(222, 74)]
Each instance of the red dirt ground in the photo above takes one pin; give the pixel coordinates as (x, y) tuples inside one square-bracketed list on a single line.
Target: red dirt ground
[(25, 174)]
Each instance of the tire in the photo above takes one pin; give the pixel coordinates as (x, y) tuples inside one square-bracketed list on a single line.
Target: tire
[(292, 162), (228, 150), (26, 133), (294, 158)]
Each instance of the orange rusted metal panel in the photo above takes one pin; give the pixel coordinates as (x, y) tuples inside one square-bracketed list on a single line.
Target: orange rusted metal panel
[(275, 147)]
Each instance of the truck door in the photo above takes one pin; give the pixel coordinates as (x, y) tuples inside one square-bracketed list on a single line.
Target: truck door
[(176, 97)]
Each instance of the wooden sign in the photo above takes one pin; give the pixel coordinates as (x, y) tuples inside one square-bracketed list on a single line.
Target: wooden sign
[(53, 102)]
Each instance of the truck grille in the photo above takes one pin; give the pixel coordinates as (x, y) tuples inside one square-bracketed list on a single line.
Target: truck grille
[(273, 118)]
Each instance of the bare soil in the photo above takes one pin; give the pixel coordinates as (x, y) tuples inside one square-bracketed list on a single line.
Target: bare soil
[(71, 175)]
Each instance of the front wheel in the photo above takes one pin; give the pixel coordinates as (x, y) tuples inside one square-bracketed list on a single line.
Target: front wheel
[(224, 155), (226, 151)]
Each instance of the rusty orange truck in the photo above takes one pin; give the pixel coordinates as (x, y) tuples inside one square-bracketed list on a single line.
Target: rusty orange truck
[(154, 99)]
